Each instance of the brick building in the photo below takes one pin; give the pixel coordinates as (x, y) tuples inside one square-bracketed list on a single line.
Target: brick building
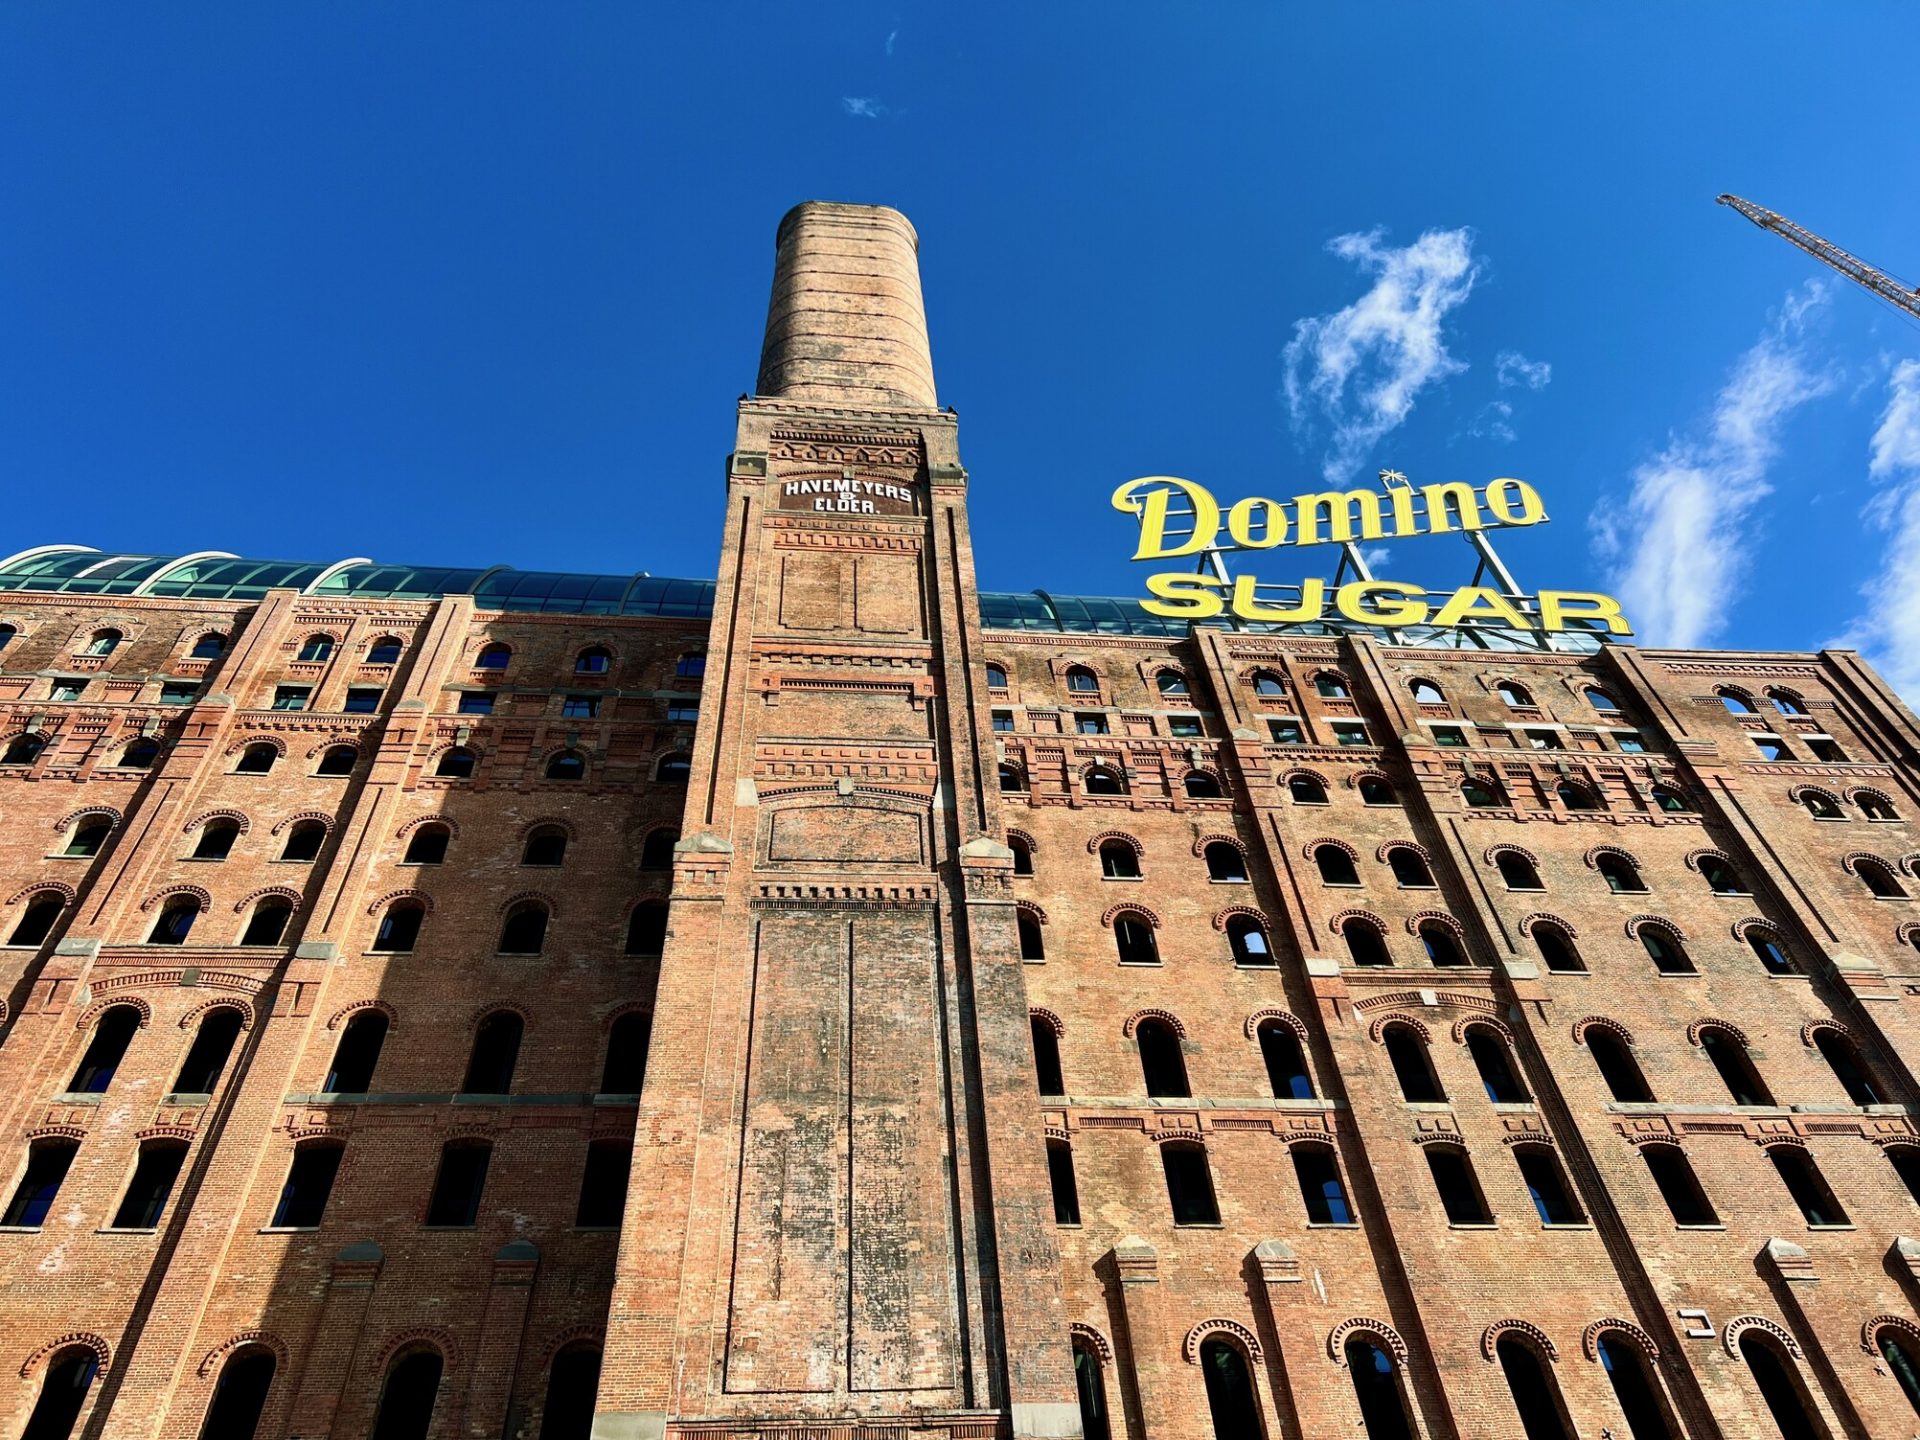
[(829, 1002)]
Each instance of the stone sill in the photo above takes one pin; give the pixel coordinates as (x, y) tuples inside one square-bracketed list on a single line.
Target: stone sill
[(1473, 1225), (128, 1230), (19, 1229), (288, 1230), (1334, 1225), (408, 1097), (1568, 1225)]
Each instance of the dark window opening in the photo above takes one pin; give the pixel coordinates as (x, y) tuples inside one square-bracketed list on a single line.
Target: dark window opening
[(1189, 1184), (1547, 1185), (1230, 1399), (545, 846), (1012, 781), (1286, 1061), (1091, 1388), (240, 1396), (571, 1386), (1534, 1393), (1875, 807), (1412, 1067), (1879, 880), (1102, 781), (1767, 950), (175, 921), (1720, 876), (140, 755), (1202, 786), (525, 929), (456, 764), (147, 1193), (1066, 1190), (47, 1164), (1225, 863), (492, 657), (384, 651), (496, 1050), (210, 646), (356, 1055), (1665, 950), (1022, 855), (1305, 790), (400, 927), (1901, 1364), (1383, 1409), (1032, 946), (567, 765), (1335, 865), (113, 1032), (304, 841), (1046, 1058), (1674, 1177), (674, 769), (1365, 943), (361, 700), (428, 845), (1577, 797), (407, 1399), (1633, 1387), (1843, 1056), (1479, 795), (339, 760), (256, 760), (1736, 1068), (1375, 791), (303, 1199), (1621, 875), (268, 922), (1495, 1063), (207, 1057), (1321, 1190), (1119, 860), (647, 930), (1557, 949), (1806, 1185), (594, 660), (625, 1071), (1780, 1387), (996, 677), (1671, 800), (1443, 948), (316, 649), (216, 840), (1517, 871), (603, 1185), (1458, 1187), (459, 1184), (657, 852), (1618, 1068), (1082, 681), (1162, 1064), (37, 921), (1248, 942), (1133, 937), (1408, 868), (63, 1394), (23, 750)]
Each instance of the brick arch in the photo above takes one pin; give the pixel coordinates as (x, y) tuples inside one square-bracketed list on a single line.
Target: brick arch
[(1851, 860), (183, 1133), (1613, 1324), (419, 821), (73, 817), (225, 1002), (64, 1132), (1387, 847), (1273, 1012), (1728, 688), (1366, 917), (1332, 671), (1240, 1334), (72, 1340), (1905, 933), (332, 740), (90, 1016), (409, 893), (238, 817), (1033, 845), (299, 815), (247, 742), (1870, 1331), (573, 1335), (1353, 780), (1094, 842), (1212, 772), (1201, 843), (1130, 907), (1592, 858), (245, 1340), (1872, 792), (1604, 1022), (1365, 1325), (1057, 1132), (160, 897), (1748, 923), (1740, 1324), (1166, 1017), (1394, 1017), (1768, 1142), (1814, 1027), (1033, 908), (1306, 850), (1798, 794), (1714, 1022), (553, 905), (427, 1336), (560, 822), (1541, 917), (622, 1010), (285, 892), (1246, 912), (1052, 1021), (1113, 766), (1274, 668), (1302, 772), (65, 891), (436, 751), (347, 1012), (495, 1007), (1437, 917), (1707, 852), (1484, 1022), (1490, 1337), (1635, 923), (1096, 1341)]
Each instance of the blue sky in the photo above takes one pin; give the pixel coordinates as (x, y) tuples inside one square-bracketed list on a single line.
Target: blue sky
[(477, 283)]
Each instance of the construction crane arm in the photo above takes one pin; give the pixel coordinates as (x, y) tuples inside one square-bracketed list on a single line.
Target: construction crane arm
[(1827, 253)]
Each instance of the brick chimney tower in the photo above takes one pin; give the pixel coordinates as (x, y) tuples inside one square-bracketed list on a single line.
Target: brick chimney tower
[(839, 1210)]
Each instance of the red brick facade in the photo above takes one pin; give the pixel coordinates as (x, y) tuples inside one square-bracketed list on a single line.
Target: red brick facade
[(897, 846)]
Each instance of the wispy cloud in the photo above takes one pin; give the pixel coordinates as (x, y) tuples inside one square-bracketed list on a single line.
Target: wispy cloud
[(1494, 422), (1677, 543), (1889, 631), (1512, 369), (892, 35), (863, 107), (1359, 369)]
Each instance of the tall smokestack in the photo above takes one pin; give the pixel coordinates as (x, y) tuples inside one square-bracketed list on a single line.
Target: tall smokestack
[(846, 325)]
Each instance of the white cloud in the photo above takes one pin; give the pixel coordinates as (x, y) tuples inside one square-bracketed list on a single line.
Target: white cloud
[(1494, 422), (1376, 557), (1359, 369), (1677, 543), (892, 35), (1511, 368), (864, 107), (1889, 631)]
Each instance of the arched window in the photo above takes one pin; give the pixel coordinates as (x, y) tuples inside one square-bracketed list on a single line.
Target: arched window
[(1601, 700), (1663, 947), (1230, 1399), (407, 1399), (1576, 797), (1546, 1182), (1412, 1066), (1022, 855), (1268, 685), (1425, 692), (113, 1032), (7, 632), (1171, 682), (1248, 941), (1286, 1062), (1843, 1058), (338, 760), (1806, 1185), (571, 1383), (38, 919), (256, 759), (459, 1183), (1046, 1057), (1617, 1067), (1331, 685), (1365, 943), (1225, 864), (524, 931), (1517, 871), (674, 769), (1494, 1061), (1633, 1387), (1189, 1184), (428, 844), (1877, 876), (315, 649), (545, 845), (1082, 681), (1735, 702), (1317, 1171), (594, 660), (1736, 1067), (1376, 1385), (1013, 780), (1376, 791), (1305, 790), (240, 1395), (63, 1394), (89, 834), (657, 852), (1721, 877), (1161, 1063), (1118, 861), (1779, 1384), (1515, 695), (23, 750), (140, 755), (1103, 781), (151, 1185), (1408, 868), (1535, 1395), (996, 676), (1673, 1176), (456, 764), (1620, 873), (400, 926), (1335, 865), (1480, 795), (1201, 786), (1786, 702), (1032, 946), (647, 929), (268, 923), (1060, 1179), (1821, 806), (1875, 807), (1558, 950), (628, 1039), (492, 657), (216, 839), (1089, 1383), (496, 1050), (357, 1054), (104, 642), (384, 651), (1902, 1363), (568, 765), (1442, 947), (1767, 949), (309, 1184), (1671, 801), (175, 921), (210, 646)]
